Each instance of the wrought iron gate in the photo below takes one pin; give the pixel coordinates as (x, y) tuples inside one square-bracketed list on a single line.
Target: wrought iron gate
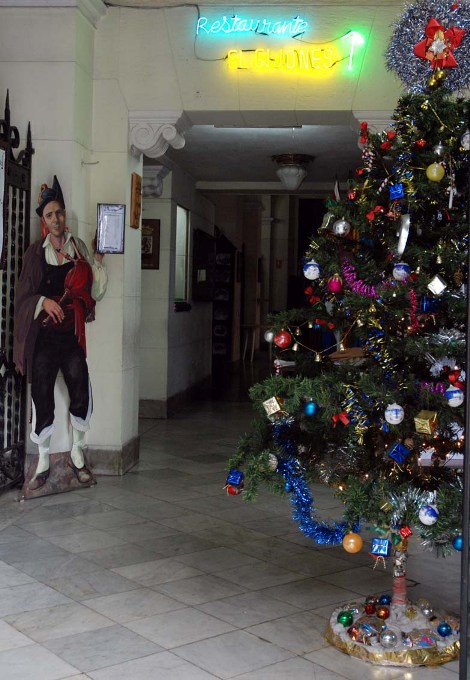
[(15, 199)]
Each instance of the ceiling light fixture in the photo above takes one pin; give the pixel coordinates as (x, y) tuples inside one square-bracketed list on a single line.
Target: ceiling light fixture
[(292, 169)]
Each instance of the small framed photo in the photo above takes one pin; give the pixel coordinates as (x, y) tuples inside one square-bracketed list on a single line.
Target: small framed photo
[(150, 244), (136, 200), (110, 228)]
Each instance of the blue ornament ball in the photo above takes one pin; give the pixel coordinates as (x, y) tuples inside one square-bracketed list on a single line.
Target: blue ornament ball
[(385, 599), (310, 408), (311, 270), (457, 543), (401, 271), (428, 515), (444, 629)]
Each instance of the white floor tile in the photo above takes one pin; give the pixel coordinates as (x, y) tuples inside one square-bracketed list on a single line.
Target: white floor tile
[(34, 663), (164, 666), (233, 653), (177, 628), (101, 583)]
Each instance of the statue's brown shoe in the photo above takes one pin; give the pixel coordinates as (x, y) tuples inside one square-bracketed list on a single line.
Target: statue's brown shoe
[(38, 480), (83, 474)]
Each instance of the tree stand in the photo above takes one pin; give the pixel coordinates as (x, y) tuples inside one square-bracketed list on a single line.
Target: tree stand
[(392, 631)]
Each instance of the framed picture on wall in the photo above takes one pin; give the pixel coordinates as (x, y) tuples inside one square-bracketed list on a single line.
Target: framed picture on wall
[(203, 266), (136, 200), (150, 251)]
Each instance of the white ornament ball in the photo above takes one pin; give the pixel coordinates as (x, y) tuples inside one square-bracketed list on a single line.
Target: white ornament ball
[(394, 414), (465, 140), (269, 336), (341, 227), (401, 271), (272, 462), (428, 515), (312, 270), (454, 396)]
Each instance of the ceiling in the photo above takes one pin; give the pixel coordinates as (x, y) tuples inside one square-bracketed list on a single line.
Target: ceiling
[(230, 158)]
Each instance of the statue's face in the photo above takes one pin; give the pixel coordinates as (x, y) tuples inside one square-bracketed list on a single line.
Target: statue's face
[(54, 218)]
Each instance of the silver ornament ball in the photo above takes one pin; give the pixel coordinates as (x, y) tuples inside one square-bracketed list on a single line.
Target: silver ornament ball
[(341, 227), (388, 638), (439, 149)]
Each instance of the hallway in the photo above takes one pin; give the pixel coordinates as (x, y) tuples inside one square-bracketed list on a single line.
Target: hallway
[(160, 575)]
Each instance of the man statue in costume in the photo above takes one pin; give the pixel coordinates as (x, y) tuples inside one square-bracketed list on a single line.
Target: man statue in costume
[(57, 290)]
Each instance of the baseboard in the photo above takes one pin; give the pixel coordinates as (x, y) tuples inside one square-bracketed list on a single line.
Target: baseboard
[(159, 408), (111, 461)]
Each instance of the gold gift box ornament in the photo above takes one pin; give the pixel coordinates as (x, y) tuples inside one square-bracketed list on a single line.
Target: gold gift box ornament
[(426, 422), (273, 408)]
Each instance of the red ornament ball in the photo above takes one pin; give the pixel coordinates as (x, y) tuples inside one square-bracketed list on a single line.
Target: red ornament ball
[(282, 339), (369, 608), (335, 284), (352, 542), (232, 490), (382, 612)]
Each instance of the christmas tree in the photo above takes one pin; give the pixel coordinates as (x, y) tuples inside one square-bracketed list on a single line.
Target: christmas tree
[(367, 395)]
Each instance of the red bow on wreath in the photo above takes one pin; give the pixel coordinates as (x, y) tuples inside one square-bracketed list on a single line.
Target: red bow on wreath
[(438, 44)]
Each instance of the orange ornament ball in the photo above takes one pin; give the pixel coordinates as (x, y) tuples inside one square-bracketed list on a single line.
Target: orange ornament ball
[(352, 542)]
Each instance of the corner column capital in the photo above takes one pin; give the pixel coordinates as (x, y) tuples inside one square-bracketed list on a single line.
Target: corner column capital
[(152, 132)]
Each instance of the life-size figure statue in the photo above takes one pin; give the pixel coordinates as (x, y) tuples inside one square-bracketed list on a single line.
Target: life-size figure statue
[(56, 294)]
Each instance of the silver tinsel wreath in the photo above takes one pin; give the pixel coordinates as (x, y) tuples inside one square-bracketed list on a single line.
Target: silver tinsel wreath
[(410, 29)]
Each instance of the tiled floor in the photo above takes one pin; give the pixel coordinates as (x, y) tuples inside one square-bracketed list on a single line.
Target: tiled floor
[(160, 575)]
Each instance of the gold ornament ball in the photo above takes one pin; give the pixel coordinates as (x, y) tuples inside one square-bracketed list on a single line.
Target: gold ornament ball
[(435, 172), (382, 612), (432, 82), (439, 75), (352, 542), (272, 462)]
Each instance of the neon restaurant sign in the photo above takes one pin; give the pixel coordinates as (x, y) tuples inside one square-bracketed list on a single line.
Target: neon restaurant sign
[(299, 56)]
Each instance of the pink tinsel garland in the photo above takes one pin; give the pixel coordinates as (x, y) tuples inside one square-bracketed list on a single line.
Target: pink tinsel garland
[(356, 285)]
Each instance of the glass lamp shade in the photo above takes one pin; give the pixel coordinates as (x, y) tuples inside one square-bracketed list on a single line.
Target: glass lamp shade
[(291, 176)]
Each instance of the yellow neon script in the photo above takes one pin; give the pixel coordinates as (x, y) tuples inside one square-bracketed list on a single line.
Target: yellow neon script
[(288, 60)]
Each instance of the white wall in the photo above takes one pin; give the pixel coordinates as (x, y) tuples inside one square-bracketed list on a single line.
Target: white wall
[(175, 347), (179, 71)]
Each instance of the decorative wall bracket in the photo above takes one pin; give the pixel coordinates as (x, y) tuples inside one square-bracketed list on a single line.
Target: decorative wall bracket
[(151, 133), (152, 180)]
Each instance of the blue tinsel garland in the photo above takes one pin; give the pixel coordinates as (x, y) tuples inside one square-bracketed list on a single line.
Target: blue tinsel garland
[(302, 500)]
